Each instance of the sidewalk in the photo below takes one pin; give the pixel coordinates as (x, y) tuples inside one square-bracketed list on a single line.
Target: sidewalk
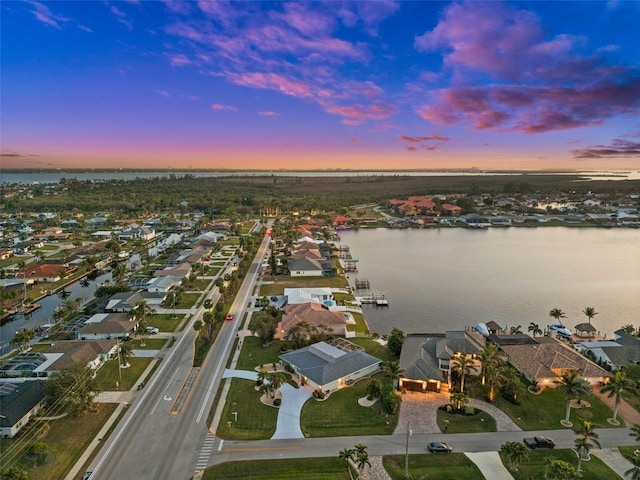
[(614, 460)]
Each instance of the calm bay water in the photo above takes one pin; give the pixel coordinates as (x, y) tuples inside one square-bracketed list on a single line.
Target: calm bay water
[(445, 279)]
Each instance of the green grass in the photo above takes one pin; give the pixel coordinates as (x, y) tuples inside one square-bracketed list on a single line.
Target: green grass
[(67, 438), (108, 374), (165, 321), (360, 325), (281, 282), (340, 414), (149, 344), (536, 466), (40, 347), (632, 398), (254, 354), (460, 423), (294, 468), (454, 466), (374, 348), (627, 452), (544, 411), (200, 284), (188, 300), (256, 421)]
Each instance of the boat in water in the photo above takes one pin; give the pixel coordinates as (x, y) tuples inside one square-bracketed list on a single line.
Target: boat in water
[(559, 329)]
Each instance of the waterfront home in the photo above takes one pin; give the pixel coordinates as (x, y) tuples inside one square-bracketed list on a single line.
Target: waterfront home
[(105, 326), (308, 295), (329, 366), (546, 359), (310, 267), (314, 314), (19, 402), (413, 206), (427, 358), (623, 350), (123, 302), (45, 272)]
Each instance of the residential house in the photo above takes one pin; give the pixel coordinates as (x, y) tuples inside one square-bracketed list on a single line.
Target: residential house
[(310, 267), (427, 359), (181, 270), (451, 210), (19, 402), (330, 366), (308, 295), (105, 326), (314, 314), (623, 350), (45, 272), (123, 302), (548, 358)]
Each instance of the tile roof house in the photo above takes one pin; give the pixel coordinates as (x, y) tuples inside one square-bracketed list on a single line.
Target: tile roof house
[(313, 314), (548, 359), (45, 272), (426, 358), (19, 402), (326, 367)]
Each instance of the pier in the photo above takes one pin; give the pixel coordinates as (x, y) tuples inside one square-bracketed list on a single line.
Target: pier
[(362, 284), (377, 299)]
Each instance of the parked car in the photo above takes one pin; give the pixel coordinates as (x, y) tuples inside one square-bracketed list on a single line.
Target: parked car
[(434, 447), (152, 330), (229, 317), (539, 442)]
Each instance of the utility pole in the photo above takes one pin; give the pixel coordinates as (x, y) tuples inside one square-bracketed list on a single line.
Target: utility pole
[(406, 453)]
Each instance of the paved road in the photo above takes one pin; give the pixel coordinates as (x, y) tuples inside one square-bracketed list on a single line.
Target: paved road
[(153, 441)]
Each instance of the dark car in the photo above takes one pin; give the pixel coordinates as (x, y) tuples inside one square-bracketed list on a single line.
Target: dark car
[(434, 447), (539, 442)]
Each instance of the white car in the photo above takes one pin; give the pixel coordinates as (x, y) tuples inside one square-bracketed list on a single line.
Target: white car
[(152, 330)]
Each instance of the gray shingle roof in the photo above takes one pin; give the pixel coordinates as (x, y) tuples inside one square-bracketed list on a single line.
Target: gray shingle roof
[(18, 400)]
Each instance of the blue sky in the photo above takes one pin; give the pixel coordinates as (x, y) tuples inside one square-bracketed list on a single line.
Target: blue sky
[(369, 84)]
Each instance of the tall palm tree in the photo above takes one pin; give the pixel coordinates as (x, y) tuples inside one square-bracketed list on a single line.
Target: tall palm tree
[(585, 442), (573, 386), (125, 352), (361, 458), (464, 365), (557, 314), (516, 452), (511, 384), (590, 312), (490, 358), (516, 330), (392, 369), (614, 387), (348, 455), (534, 328), (64, 294)]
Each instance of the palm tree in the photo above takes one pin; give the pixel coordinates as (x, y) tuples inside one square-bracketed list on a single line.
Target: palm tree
[(516, 452), (209, 319), (392, 369), (573, 386), (267, 389), (276, 379), (614, 387), (64, 294), (590, 312), (585, 442), (459, 399), (361, 458), (517, 330), (490, 358), (348, 455), (634, 472), (464, 365), (557, 314), (534, 328), (84, 282), (512, 385), (125, 352)]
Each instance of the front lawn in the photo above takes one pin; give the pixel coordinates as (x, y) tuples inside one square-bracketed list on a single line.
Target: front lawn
[(536, 466), (340, 414), (165, 322), (632, 398), (188, 300), (255, 421), (108, 374), (254, 354), (328, 468), (453, 466), (149, 344), (67, 438), (461, 423), (544, 411)]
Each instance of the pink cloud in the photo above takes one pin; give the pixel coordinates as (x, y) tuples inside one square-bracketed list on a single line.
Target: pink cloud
[(272, 81), (618, 148), (178, 6), (308, 22), (220, 107), (363, 112), (46, 16), (163, 93), (538, 84), (268, 113), (424, 138), (179, 60)]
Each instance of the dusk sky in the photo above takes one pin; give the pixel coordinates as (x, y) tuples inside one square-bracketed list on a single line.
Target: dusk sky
[(315, 85)]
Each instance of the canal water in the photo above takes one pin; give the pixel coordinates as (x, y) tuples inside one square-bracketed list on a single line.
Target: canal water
[(449, 278), (48, 304)]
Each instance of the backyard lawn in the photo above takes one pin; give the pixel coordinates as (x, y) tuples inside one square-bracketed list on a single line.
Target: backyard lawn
[(340, 414), (282, 282), (374, 348), (536, 466), (255, 421), (454, 466), (294, 468)]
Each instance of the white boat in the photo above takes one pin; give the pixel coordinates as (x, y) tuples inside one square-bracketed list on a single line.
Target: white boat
[(482, 329), (559, 329)]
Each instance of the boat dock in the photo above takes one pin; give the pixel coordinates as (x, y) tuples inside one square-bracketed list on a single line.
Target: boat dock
[(377, 299)]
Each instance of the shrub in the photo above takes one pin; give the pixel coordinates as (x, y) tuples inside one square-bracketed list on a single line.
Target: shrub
[(277, 402), (469, 410)]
